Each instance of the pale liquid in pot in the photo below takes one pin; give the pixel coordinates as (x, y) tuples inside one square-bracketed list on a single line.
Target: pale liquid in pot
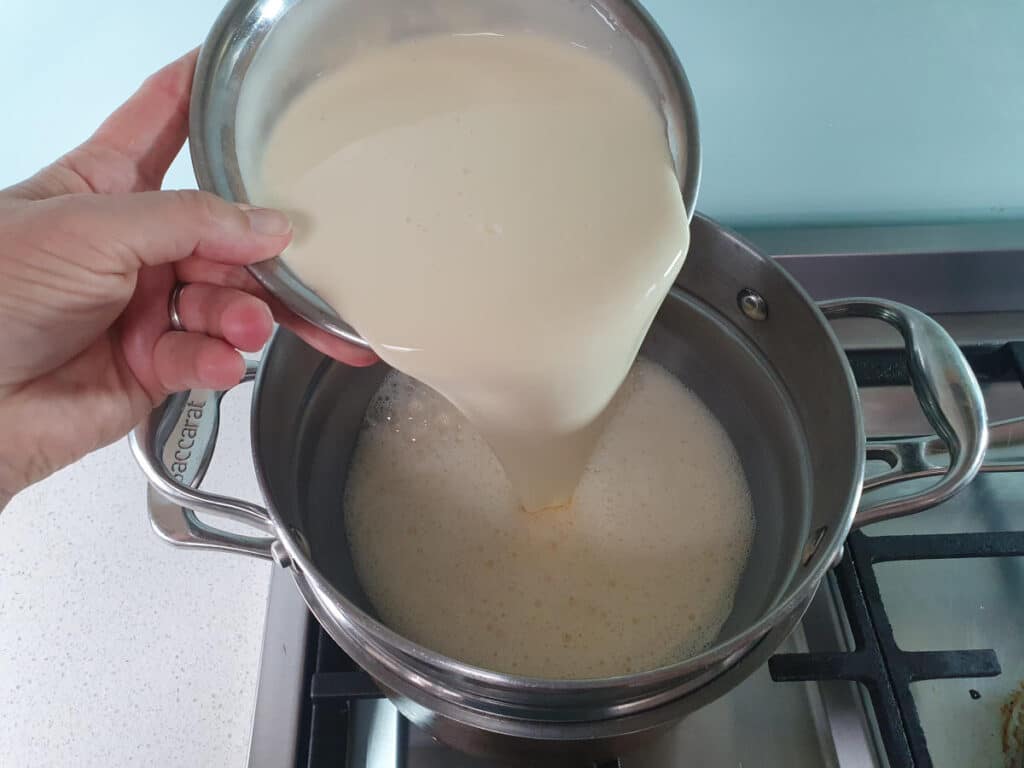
[(640, 571), (499, 217)]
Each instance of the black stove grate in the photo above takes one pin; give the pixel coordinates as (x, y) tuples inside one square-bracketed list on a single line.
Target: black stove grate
[(877, 662), (335, 681), (888, 367)]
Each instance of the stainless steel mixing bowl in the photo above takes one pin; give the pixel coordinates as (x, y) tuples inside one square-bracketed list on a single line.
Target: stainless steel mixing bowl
[(746, 340), (261, 53)]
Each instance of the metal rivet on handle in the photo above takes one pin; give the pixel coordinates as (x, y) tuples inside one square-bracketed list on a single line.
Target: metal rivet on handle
[(280, 554), (753, 304)]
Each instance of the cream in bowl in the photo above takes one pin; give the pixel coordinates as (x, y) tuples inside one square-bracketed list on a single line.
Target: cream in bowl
[(498, 216)]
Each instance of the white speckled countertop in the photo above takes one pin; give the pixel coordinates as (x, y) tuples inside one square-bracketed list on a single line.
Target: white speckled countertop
[(115, 648)]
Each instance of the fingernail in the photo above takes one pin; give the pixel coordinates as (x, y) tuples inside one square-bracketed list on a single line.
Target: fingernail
[(267, 221)]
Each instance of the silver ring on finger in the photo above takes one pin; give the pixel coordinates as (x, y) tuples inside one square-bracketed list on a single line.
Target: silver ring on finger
[(173, 308)]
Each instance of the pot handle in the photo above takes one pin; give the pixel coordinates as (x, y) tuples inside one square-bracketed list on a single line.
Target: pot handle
[(949, 396), (174, 446), (916, 457)]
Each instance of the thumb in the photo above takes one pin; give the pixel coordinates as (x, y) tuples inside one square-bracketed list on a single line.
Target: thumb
[(139, 229)]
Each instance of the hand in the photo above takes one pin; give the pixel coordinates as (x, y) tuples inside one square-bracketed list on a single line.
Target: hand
[(89, 255)]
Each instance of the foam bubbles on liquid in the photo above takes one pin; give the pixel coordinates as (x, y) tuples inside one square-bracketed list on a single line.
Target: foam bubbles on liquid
[(640, 571)]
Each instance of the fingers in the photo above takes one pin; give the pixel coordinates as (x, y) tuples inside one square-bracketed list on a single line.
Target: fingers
[(246, 322), (332, 346), (240, 319), (194, 361), (224, 275), (165, 361), (195, 358), (121, 233), (132, 149)]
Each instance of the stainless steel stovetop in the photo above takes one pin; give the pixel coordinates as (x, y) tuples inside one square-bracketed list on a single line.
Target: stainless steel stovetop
[(933, 605)]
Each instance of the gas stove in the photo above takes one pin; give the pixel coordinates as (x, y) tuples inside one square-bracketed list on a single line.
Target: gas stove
[(911, 654)]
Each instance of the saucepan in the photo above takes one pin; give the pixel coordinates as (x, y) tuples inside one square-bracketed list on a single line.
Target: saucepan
[(743, 337)]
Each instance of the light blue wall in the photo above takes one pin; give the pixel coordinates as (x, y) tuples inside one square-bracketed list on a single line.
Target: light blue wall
[(811, 110), (855, 110)]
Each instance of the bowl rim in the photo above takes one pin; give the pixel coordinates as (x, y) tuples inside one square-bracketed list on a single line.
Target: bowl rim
[(233, 43)]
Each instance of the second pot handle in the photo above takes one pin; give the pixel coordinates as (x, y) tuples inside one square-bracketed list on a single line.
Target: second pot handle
[(949, 396), (174, 447)]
